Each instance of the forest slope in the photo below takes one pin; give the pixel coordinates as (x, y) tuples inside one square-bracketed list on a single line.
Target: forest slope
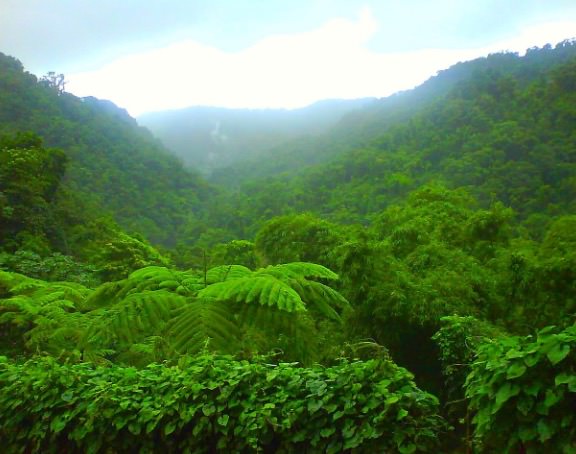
[(208, 138), (113, 164), (504, 129)]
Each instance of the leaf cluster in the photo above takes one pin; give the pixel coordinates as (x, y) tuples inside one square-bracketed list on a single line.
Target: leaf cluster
[(523, 392), (215, 404)]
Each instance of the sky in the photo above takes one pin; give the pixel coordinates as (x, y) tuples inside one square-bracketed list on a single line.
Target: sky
[(151, 55)]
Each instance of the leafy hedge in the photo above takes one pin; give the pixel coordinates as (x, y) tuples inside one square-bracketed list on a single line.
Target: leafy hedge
[(215, 404), (523, 390)]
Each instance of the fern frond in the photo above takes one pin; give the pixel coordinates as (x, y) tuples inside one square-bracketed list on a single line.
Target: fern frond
[(266, 329), (104, 295), (27, 286), (320, 297), (18, 311), (57, 331), (151, 278), (265, 290), (147, 351), (226, 272), (9, 279), (203, 322), (299, 270), (137, 316)]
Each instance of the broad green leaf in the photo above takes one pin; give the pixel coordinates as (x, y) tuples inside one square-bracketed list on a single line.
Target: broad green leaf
[(516, 370), (545, 432), (504, 393), (223, 420), (558, 353)]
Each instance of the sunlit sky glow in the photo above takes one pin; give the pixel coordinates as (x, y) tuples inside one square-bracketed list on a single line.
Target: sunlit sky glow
[(344, 50)]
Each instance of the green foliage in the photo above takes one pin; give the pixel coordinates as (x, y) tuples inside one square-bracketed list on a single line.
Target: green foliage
[(34, 312), (296, 238), (29, 178), (204, 324), (54, 267), (523, 391), (289, 287), (226, 272), (458, 340), (125, 254), (447, 215), (240, 252), (215, 404), (157, 313), (112, 164), (417, 263), (538, 279), (264, 290), (501, 126)]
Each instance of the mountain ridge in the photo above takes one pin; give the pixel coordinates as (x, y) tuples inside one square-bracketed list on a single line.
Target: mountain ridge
[(207, 137)]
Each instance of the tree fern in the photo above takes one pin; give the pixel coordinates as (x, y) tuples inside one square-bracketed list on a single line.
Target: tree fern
[(157, 312), (286, 287), (32, 297), (321, 298), (137, 316), (226, 272), (266, 329), (300, 270), (104, 295), (41, 310), (59, 333), (263, 290), (8, 280), (204, 323), (150, 278)]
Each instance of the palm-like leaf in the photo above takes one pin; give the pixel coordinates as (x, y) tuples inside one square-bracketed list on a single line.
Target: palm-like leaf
[(150, 278), (204, 323), (319, 297), (226, 272), (137, 316), (300, 270), (161, 278), (258, 289)]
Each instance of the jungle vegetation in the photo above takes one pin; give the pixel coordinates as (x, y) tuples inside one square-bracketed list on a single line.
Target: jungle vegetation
[(405, 282)]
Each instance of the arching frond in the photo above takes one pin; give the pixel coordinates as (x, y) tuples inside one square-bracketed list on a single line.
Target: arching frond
[(158, 278), (27, 286), (33, 298), (226, 272), (204, 323), (18, 310), (104, 295), (150, 278), (8, 280), (321, 298), (265, 329), (58, 332), (70, 291), (137, 316), (299, 270), (265, 290)]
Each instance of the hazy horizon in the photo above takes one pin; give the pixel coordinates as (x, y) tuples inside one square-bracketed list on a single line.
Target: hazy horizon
[(146, 58)]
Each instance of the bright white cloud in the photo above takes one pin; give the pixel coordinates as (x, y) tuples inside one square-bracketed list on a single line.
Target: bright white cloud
[(288, 71)]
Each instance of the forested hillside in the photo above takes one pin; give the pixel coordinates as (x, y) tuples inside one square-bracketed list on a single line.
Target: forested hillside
[(208, 138), (112, 164), (410, 289), (365, 126), (501, 126)]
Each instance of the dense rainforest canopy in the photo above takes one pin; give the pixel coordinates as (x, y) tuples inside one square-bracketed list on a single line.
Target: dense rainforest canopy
[(403, 282)]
